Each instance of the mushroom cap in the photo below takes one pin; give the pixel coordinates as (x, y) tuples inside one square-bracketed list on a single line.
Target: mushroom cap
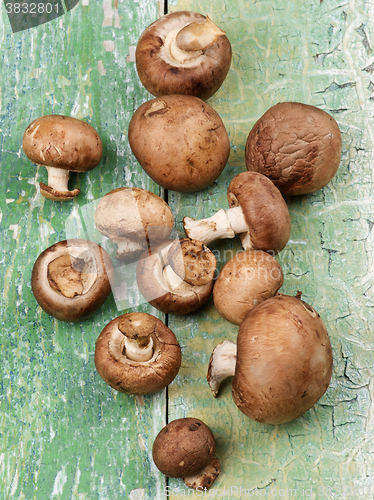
[(180, 141), (137, 377), (265, 211), (135, 214), (154, 288), (71, 279), (296, 145), (284, 360), (246, 280), (183, 447), (62, 142), (163, 75)]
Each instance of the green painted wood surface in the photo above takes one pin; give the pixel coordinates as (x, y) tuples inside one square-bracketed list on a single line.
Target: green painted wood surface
[(64, 433)]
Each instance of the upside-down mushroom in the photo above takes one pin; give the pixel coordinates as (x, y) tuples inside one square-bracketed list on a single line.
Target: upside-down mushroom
[(281, 363), (296, 145), (136, 353), (185, 448), (71, 279), (62, 144), (183, 53), (258, 213), (176, 277)]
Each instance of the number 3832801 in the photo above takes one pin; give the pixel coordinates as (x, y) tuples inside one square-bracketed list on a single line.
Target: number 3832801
[(31, 8)]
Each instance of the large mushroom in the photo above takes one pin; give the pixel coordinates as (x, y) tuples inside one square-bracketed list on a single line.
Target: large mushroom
[(246, 280), (61, 144), (176, 277), (185, 448), (258, 214), (136, 353), (183, 53), (133, 218), (71, 279), (180, 141), (281, 363), (296, 145)]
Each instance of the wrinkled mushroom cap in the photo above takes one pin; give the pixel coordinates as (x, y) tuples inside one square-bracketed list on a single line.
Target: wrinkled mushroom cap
[(135, 214), (284, 360), (296, 145), (137, 377), (184, 299), (246, 280), (62, 142), (162, 75), (265, 211), (183, 447), (180, 141), (71, 279)]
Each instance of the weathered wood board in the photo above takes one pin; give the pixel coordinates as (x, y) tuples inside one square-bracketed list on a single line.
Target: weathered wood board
[(64, 433)]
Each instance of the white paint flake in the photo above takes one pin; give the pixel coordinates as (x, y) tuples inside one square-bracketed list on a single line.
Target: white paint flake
[(137, 494), (59, 483)]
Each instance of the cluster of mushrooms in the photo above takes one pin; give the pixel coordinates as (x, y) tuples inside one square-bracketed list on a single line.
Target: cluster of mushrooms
[(294, 149)]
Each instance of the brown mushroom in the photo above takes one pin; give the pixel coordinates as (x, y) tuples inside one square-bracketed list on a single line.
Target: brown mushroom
[(282, 363), (137, 353), (173, 293), (296, 145), (183, 53), (246, 280), (61, 144), (133, 218), (180, 141), (71, 279), (258, 214), (185, 448)]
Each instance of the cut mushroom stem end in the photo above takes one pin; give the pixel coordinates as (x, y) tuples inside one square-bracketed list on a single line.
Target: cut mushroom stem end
[(223, 224), (198, 36), (221, 365), (57, 187), (138, 336), (204, 479)]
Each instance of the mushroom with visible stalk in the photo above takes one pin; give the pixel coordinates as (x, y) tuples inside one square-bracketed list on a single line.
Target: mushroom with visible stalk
[(185, 448), (177, 277), (281, 364), (183, 53), (71, 279), (136, 353), (180, 142), (258, 213), (133, 218), (62, 144), (246, 280), (297, 146)]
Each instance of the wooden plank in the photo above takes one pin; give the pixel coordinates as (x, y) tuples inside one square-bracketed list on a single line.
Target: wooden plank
[(319, 53), (65, 433)]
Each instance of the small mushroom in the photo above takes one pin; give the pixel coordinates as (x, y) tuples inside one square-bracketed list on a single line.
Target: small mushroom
[(61, 144), (183, 53), (133, 218), (282, 363), (173, 293), (71, 279), (137, 353), (180, 141), (246, 280), (258, 214), (185, 448), (297, 146)]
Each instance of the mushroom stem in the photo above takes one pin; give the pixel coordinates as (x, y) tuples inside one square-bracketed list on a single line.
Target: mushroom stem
[(138, 340), (138, 352), (222, 364), (198, 36), (223, 224), (57, 187)]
